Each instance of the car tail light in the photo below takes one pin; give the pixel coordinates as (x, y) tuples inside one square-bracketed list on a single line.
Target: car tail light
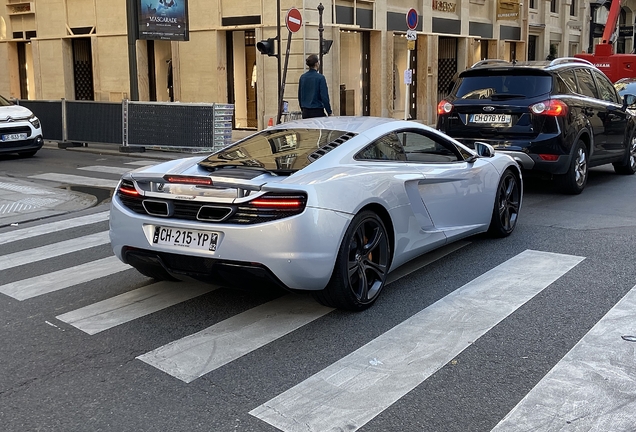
[(444, 107), (280, 202), (194, 180), (549, 157), (127, 187), (551, 108), (269, 207)]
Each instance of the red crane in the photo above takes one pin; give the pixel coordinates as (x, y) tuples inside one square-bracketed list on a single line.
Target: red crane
[(615, 66)]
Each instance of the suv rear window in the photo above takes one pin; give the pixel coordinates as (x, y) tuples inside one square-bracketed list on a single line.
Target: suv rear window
[(504, 86)]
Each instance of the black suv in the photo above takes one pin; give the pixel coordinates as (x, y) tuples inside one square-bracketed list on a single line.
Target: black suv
[(559, 118)]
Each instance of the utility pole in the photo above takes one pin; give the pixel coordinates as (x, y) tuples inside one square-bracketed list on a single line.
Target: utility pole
[(131, 15), (321, 29)]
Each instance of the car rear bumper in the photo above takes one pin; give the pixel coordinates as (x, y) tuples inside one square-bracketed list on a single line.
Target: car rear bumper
[(526, 153), (298, 252)]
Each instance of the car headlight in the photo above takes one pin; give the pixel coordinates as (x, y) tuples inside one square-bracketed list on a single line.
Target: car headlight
[(35, 121)]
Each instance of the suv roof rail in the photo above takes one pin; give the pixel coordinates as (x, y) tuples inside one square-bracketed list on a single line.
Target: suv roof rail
[(489, 61), (560, 60)]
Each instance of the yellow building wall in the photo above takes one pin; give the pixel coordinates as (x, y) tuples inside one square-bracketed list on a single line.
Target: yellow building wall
[(202, 68)]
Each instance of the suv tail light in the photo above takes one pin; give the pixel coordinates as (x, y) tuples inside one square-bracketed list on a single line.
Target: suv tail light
[(551, 108), (444, 107)]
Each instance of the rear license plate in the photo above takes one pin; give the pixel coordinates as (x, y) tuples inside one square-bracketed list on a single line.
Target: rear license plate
[(490, 118), (14, 137), (191, 239)]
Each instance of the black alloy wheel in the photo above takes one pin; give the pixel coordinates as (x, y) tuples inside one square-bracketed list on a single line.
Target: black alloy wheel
[(573, 182), (628, 166), (361, 266), (507, 204)]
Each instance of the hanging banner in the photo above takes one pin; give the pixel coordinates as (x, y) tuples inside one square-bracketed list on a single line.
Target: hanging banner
[(508, 10), (163, 20)]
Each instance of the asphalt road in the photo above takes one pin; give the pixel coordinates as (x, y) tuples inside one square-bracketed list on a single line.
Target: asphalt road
[(455, 343)]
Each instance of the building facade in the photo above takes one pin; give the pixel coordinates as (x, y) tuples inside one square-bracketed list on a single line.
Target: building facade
[(79, 49)]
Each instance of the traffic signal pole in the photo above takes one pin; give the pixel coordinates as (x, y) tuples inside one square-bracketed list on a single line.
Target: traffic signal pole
[(282, 85)]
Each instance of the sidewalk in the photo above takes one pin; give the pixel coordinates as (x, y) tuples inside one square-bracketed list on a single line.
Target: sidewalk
[(22, 201)]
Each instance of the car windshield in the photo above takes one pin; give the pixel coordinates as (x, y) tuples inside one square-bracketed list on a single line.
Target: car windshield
[(4, 102), (278, 150), (505, 86)]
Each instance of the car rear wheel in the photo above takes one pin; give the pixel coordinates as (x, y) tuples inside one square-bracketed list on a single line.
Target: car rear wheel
[(507, 203), (573, 182), (361, 265), (628, 166)]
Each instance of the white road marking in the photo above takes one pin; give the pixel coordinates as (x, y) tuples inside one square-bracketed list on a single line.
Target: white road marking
[(50, 282), (135, 304), (196, 355), (355, 389), (143, 163), (106, 169), (24, 233), (77, 180), (593, 388), (53, 250)]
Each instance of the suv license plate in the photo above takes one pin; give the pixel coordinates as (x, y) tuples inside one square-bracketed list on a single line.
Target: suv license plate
[(490, 118), (199, 240), (14, 137)]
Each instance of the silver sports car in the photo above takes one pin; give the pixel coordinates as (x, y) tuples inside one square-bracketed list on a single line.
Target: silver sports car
[(330, 205)]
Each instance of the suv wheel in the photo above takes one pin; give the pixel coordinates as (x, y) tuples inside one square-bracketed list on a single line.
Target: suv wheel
[(573, 182), (628, 166)]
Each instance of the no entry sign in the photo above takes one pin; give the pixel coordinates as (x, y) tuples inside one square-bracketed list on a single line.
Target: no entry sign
[(293, 20), (411, 19)]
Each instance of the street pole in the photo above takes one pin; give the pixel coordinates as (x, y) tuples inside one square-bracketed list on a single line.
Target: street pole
[(131, 15), (278, 53), (282, 86), (321, 29)]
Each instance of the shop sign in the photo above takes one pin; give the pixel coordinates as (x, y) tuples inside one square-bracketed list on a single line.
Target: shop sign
[(626, 31), (507, 9), (163, 20), (444, 6)]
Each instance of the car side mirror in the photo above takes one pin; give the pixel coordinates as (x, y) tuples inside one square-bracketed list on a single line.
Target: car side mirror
[(484, 150), (629, 100)]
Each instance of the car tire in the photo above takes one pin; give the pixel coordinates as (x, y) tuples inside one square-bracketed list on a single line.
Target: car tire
[(574, 180), (27, 154), (361, 266), (505, 212), (628, 165)]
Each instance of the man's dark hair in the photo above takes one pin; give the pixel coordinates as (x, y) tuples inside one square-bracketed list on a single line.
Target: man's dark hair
[(312, 60)]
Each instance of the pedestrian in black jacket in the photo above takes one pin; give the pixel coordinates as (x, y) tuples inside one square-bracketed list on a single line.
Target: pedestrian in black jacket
[(313, 95)]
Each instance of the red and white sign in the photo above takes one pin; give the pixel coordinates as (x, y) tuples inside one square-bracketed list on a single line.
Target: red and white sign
[(411, 19), (293, 20)]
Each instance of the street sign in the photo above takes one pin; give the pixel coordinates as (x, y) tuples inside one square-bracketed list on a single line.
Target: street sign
[(411, 19), (293, 20), (411, 35)]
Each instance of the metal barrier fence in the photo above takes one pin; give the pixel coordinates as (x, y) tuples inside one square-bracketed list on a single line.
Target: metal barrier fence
[(135, 126)]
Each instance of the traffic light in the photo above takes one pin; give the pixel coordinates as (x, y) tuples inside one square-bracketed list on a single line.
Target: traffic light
[(326, 46), (267, 47)]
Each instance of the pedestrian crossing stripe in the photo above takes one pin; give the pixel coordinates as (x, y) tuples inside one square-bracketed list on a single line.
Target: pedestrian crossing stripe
[(132, 305), (30, 256), (355, 389), (193, 356), (77, 180), (51, 227), (68, 277), (593, 387), (106, 169)]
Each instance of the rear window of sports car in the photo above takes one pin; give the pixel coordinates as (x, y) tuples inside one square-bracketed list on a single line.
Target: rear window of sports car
[(279, 150)]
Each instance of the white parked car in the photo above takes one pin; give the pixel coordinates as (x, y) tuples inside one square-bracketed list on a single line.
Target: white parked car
[(20, 130), (327, 205)]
